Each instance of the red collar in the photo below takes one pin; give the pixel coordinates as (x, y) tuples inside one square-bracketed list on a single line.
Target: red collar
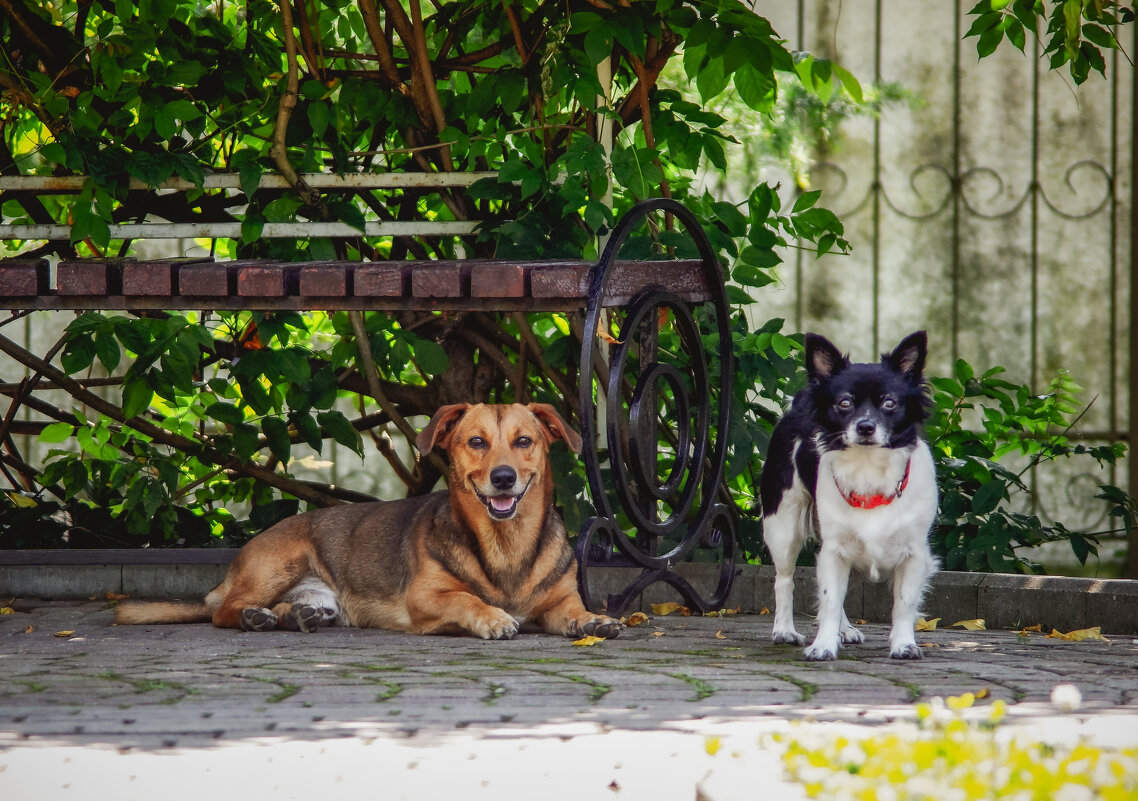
[(859, 501)]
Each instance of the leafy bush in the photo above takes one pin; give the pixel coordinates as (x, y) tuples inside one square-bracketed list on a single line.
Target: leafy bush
[(985, 516)]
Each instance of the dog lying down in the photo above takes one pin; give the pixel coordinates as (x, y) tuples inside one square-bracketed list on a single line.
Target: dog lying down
[(480, 558)]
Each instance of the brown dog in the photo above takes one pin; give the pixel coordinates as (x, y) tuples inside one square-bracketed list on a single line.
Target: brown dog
[(479, 558)]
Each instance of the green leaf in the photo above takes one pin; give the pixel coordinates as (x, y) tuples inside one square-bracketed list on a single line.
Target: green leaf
[(225, 413), (276, 433), (988, 497), (431, 357), (309, 431), (806, 200), (319, 115), (136, 397), (57, 432), (756, 88), (341, 430)]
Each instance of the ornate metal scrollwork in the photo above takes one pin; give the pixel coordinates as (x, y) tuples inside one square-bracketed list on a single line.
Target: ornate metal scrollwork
[(665, 427)]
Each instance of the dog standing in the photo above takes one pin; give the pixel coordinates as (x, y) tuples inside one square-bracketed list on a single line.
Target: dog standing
[(479, 558), (847, 464)]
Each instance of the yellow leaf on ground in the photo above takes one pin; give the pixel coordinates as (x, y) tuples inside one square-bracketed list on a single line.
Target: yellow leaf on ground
[(1079, 635), (64, 633), (927, 625), (7, 610), (587, 641), (29, 629), (764, 611), (983, 693), (666, 608), (722, 612), (711, 745), (971, 625), (719, 635), (657, 634), (636, 619)]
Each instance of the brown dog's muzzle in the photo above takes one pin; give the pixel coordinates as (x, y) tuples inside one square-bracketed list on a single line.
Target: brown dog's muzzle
[(502, 503)]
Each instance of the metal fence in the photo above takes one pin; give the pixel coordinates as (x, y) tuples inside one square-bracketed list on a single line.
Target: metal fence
[(995, 212)]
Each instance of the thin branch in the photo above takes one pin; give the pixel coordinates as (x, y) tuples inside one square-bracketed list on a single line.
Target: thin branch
[(188, 446)]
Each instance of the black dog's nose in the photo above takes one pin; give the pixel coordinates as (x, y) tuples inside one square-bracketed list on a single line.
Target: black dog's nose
[(865, 428), (503, 477)]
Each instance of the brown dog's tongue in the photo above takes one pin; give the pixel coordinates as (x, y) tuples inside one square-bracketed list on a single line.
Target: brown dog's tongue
[(502, 503)]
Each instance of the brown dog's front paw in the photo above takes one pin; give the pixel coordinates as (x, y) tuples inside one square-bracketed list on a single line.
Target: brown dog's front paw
[(595, 626), (256, 619), (498, 626)]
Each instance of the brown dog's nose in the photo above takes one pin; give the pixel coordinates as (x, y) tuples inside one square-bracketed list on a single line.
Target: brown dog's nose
[(503, 477)]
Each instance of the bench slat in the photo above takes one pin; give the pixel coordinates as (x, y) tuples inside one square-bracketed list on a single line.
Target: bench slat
[(469, 284)]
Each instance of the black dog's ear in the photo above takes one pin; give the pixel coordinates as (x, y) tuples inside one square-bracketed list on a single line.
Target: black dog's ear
[(438, 430), (908, 358), (823, 359)]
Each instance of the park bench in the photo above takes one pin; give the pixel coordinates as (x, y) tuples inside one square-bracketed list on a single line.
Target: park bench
[(619, 415)]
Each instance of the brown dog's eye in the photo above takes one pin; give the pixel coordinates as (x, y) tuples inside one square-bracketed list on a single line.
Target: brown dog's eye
[(523, 442), (477, 443)]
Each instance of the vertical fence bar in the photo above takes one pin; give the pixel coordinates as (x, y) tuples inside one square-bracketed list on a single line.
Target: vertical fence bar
[(956, 181), (877, 188), (1132, 419)]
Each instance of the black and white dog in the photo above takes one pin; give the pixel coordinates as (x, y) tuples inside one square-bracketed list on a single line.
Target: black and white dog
[(847, 464)]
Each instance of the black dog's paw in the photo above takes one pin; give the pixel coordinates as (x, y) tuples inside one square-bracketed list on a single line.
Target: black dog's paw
[(254, 618), (910, 651), (787, 638)]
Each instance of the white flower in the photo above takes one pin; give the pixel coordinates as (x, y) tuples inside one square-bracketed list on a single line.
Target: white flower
[(1066, 697)]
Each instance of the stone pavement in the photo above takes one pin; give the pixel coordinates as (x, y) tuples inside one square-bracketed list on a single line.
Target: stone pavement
[(193, 711)]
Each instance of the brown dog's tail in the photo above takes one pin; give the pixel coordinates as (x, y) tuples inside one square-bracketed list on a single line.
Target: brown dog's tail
[(133, 612)]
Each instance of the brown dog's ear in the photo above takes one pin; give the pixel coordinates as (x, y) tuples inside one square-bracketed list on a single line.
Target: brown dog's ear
[(438, 430), (555, 425)]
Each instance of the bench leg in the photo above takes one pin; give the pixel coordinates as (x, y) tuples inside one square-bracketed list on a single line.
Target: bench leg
[(657, 465)]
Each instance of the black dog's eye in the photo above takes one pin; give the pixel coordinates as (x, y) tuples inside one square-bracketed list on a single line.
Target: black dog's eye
[(845, 404), (477, 443), (523, 442), (888, 404)]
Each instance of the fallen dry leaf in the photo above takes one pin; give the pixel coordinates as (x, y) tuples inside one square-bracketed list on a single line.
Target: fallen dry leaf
[(64, 633), (927, 625), (719, 635), (722, 612), (971, 625), (668, 608), (657, 634), (983, 693), (636, 619), (1094, 633), (29, 629), (585, 642), (764, 611), (7, 610), (114, 596)]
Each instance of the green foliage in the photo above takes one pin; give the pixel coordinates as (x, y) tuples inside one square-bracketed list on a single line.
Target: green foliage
[(135, 95), (1073, 32), (982, 425)]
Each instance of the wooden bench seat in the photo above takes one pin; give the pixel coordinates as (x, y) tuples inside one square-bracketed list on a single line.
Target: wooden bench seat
[(468, 284)]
